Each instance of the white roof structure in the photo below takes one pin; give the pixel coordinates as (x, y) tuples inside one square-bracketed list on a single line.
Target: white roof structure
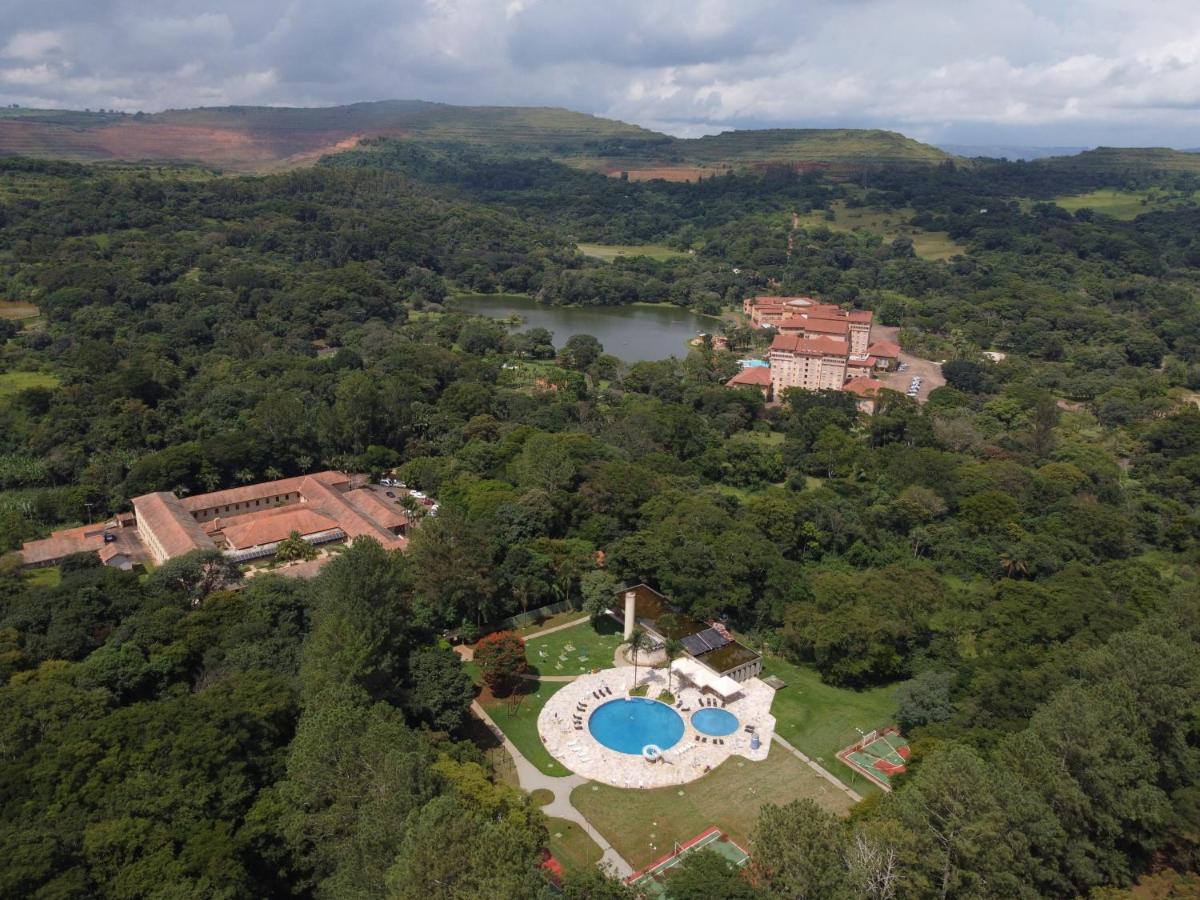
[(704, 677)]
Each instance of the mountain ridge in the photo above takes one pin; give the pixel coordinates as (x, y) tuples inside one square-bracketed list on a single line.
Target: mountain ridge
[(258, 138)]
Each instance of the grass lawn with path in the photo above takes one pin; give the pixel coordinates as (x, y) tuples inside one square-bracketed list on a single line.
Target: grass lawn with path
[(575, 651), (819, 719), (518, 720), (571, 846), (644, 825), (553, 621)]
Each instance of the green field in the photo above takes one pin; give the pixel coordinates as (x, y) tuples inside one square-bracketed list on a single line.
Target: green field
[(1126, 204), (608, 252), (644, 825), (519, 723), (574, 651), (888, 224), (553, 621), (571, 846), (14, 382), (48, 577), (819, 719)]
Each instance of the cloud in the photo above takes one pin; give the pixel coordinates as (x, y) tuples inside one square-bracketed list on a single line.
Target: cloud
[(1068, 71)]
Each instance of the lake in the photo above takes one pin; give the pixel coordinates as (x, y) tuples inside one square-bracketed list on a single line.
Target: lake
[(631, 333)]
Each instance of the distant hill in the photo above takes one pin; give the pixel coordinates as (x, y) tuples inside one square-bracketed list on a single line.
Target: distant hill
[(1008, 151), (248, 138), (1128, 159)]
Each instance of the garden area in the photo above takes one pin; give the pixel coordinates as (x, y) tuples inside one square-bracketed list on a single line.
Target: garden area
[(574, 651), (644, 825), (820, 719)]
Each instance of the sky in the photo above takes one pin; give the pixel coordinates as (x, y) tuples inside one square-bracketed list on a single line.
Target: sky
[(1067, 73)]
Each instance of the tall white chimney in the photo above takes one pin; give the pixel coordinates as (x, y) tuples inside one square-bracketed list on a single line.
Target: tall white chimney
[(630, 604)]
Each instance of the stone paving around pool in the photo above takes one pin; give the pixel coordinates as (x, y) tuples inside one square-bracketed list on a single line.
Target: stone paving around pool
[(692, 757)]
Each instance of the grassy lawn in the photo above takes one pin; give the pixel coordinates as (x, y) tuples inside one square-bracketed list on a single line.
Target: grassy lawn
[(1123, 204), (48, 577), (14, 382), (519, 723), (819, 719), (553, 621), (574, 651), (571, 846), (889, 224), (644, 825), (610, 252)]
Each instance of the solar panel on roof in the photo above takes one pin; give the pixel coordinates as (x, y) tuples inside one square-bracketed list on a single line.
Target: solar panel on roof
[(694, 645)]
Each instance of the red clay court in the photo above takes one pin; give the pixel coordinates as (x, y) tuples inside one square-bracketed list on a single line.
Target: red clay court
[(879, 756)]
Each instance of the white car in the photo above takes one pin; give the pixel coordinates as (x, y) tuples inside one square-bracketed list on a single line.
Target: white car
[(416, 494)]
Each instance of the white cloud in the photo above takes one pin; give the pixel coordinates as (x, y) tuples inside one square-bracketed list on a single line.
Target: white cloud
[(32, 44)]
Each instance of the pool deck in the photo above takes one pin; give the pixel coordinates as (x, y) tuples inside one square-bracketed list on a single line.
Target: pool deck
[(687, 760)]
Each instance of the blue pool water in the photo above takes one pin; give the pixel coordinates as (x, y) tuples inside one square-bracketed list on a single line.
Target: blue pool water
[(629, 725), (717, 722)]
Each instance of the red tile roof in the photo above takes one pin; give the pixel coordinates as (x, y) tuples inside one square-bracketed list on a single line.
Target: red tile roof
[(820, 326), (821, 346), (754, 376), (382, 510), (177, 533), (262, 491), (63, 543), (271, 525), (864, 387), (885, 349)]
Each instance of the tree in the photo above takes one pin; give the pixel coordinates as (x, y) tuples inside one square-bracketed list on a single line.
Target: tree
[(706, 875), (294, 547), (799, 851), (363, 624), (439, 690), (501, 659), (580, 351), (195, 575), (638, 641), (598, 588), (925, 700), (673, 648)]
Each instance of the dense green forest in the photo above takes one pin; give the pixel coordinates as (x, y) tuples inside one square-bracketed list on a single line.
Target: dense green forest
[(1021, 549)]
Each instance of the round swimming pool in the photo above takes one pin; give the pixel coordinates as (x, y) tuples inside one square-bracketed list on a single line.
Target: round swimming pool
[(629, 725), (714, 721)]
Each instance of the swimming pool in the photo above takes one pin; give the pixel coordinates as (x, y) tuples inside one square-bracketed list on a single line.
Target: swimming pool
[(629, 725), (715, 722)]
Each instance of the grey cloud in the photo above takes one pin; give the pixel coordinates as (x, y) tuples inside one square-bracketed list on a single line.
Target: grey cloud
[(1071, 71)]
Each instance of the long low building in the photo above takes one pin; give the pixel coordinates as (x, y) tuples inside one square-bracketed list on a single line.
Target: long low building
[(244, 523)]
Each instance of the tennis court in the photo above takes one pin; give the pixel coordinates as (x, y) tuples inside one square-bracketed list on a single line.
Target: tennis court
[(879, 756), (652, 880)]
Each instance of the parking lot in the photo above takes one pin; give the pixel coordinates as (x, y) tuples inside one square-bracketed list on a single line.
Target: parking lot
[(927, 370)]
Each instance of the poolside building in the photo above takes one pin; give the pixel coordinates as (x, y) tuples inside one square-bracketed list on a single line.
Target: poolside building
[(710, 645)]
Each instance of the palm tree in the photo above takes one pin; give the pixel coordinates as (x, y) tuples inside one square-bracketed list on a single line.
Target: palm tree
[(638, 641), (673, 648)]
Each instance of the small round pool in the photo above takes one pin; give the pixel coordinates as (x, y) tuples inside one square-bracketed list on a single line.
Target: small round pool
[(714, 721), (629, 725)]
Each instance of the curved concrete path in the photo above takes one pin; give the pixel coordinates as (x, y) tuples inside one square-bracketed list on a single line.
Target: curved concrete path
[(560, 807)]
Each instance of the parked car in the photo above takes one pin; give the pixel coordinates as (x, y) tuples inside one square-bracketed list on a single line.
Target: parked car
[(390, 494), (417, 494)]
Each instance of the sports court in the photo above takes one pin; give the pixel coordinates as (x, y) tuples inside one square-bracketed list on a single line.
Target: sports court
[(879, 756), (652, 880)]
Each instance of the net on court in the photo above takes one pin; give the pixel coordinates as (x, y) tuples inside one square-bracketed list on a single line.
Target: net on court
[(652, 880), (880, 756)]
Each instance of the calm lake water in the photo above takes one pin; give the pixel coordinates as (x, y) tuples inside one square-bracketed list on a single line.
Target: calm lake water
[(631, 333)]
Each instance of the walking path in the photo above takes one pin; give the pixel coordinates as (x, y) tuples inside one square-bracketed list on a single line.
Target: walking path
[(560, 807), (562, 627), (819, 769)]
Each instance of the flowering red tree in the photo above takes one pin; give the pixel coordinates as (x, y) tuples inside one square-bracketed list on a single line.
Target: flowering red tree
[(501, 659)]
